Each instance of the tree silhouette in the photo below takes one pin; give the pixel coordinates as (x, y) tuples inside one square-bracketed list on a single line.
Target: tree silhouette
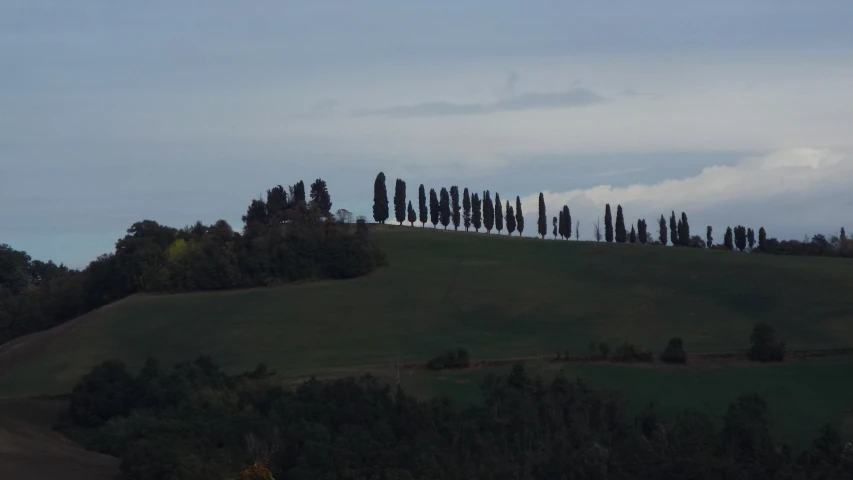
[(466, 209), (422, 205), (608, 224), (561, 224), (499, 215), (740, 237), (750, 237), (412, 216), (454, 207), (488, 211), (519, 216), (577, 230), (642, 231), (444, 208), (510, 219), (596, 230), (684, 231), (320, 196), (728, 239), (433, 208), (568, 215), (709, 239), (673, 230), (477, 216), (543, 218), (400, 201), (762, 239), (621, 233), (555, 226), (662, 236), (380, 199), (297, 193), (633, 237)]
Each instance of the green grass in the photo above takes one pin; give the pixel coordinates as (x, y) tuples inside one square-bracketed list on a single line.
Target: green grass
[(496, 296)]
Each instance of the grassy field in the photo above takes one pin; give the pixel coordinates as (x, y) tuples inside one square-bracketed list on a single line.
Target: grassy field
[(497, 296)]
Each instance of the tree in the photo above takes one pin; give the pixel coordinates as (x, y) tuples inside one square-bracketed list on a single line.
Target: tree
[(673, 230), (400, 201), (519, 216), (433, 208), (621, 233), (380, 199), (477, 216), (740, 237), (555, 227), (568, 215), (577, 230), (596, 230), (765, 347), (709, 239), (750, 237), (642, 231), (488, 211), (466, 209), (444, 208), (842, 240), (674, 351), (510, 219), (422, 205), (412, 216), (344, 216), (608, 224), (684, 231), (454, 205), (561, 225), (633, 237), (543, 218), (276, 204), (499, 216), (297, 192), (662, 236), (762, 239), (320, 196), (256, 214), (728, 239)]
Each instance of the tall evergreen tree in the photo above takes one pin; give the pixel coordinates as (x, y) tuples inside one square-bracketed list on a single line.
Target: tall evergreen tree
[(684, 231), (543, 218), (320, 196), (633, 237), (380, 199), (477, 214), (673, 230), (412, 216), (499, 215), (422, 205), (750, 237), (488, 211), (621, 233), (762, 239), (740, 237), (568, 215), (709, 239), (554, 226), (297, 192), (577, 230), (642, 231), (510, 219), (728, 239), (444, 207), (662, 236), (679, 226), (519, 216), (466, 209), (454, 206), (842, 239), (561, 225), (608, 224), (434, 214), (400, 201)]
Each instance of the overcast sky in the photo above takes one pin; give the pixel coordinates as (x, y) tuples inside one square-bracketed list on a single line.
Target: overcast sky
[(112, 112)]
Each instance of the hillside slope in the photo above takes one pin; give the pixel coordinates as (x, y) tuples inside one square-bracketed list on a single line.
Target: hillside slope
[(497, 296)]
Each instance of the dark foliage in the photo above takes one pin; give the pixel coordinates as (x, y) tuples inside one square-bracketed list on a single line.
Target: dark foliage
[(411, 214), (400, 201), (608, 224), (750, 237), (434, 209), (455, 209), (488, 211), (450, 359), (621, 232), (555, 227), (477, 212), (662, 236), (380, 199), (629, 353), (729, 239), (568, 215), (762, 239), (499, 215), (444, 208), (642, 231), (709, 238), (765, 347), (466, 210), (543, 217), (673, 230), (561, 224), (684, 231), (422, 205), (320, 197), (740, 237), (633, 236), (674, 351), (510, 219), (519, 216)]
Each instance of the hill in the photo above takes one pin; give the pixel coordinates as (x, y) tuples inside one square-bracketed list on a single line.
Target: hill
[(497, 296)]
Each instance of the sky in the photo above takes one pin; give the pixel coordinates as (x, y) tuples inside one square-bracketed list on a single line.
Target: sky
[(113, 112)]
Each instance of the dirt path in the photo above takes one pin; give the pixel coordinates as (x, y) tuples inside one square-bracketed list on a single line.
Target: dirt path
[(31, 449)]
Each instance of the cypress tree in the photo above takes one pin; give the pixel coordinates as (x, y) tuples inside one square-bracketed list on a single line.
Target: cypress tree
[(673, 230), (740, 237), (320, 196), (433, 208), (510, 219), (680, 227), (554, 226), (662, 236), (454, 204), (642, 231), (499, 215), (633, 236), (477, 215), (488, 211), (709, 239), (608, 224), (380, 199), (621, 233), (568, 215), (729, 239), (561, 225), (750, 237), (422, 205), (412, 216), (297, 193), (543, 218), (466, 209), (519, 216), (684, 231), (444, 208), (842, 240), (400, 201), (762, 239)]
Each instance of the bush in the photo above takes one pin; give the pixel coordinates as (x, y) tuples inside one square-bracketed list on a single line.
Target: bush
[(450, 359), (765, 348), (629, 353), (674, 351)]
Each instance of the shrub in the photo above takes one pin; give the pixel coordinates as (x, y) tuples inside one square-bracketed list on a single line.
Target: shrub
[(629, 353), (765, 347), (674, 351), (450, 359)]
